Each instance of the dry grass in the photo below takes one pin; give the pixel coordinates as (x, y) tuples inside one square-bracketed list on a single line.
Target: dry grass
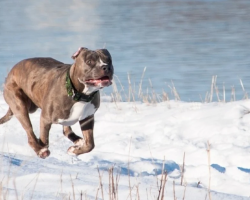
[(149, 96)]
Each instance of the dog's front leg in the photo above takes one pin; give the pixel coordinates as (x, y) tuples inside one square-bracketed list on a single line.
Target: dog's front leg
[(87, 144), (67, 131), (44, 138)]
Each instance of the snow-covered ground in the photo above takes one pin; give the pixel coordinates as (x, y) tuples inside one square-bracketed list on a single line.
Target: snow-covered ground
[(136, 138)]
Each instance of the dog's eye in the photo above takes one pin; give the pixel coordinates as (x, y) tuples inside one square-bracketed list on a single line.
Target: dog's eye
[(88, 62)]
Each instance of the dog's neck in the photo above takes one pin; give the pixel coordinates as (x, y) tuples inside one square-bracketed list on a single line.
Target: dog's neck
[(74, 79), (72, 85), (79, 85)]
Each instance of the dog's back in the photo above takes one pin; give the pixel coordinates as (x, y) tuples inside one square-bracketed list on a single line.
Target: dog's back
[(35, 76)]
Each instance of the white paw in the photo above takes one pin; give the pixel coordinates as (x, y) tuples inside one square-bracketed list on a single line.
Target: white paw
[(71, 150), (44, 152)]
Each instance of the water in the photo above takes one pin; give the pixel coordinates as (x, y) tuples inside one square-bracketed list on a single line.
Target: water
[(183, 41)]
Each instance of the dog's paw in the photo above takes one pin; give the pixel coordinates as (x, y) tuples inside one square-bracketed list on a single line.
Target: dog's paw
[(71, 150), (80, 147), (78, 144), (43, 153)]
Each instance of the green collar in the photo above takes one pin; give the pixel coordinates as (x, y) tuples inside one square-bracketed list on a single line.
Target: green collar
[(77, 96)]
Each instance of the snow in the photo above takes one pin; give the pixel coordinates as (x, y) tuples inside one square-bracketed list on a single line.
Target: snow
[(136, 139)]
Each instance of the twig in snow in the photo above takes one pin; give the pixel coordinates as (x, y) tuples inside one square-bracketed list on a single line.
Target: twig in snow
[(130, 195), (73, 190), (209, 169), (100, 180), (185, 186), (183, 168), (174, 189)]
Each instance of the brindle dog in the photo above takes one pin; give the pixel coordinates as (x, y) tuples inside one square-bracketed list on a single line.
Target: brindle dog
[(65, 94)]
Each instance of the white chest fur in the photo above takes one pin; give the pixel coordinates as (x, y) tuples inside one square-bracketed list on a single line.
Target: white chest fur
[(79, 111)]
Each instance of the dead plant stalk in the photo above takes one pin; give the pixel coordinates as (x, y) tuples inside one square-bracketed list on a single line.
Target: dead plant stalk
[(73, 189), (131, 92), (209, 169), (183, 169), (100, 180), (129, 183), (163, 182), (174, 190)]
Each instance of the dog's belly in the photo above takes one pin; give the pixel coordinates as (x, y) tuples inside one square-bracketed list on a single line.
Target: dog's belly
[(79, 111)]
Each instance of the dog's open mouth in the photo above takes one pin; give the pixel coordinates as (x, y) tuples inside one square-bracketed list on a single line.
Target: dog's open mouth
[(103, 82)]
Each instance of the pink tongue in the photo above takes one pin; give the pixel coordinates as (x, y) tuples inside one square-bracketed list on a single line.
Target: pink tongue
[(95, 81), (98, 81)]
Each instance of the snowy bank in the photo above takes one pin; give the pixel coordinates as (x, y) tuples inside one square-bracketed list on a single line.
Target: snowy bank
[(136, 138)]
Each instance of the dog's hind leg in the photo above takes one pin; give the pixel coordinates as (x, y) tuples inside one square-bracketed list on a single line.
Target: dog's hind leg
[(17, 101), (7, 116)]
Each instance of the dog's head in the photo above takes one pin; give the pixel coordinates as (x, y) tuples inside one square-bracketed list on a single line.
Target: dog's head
[(94, 68)]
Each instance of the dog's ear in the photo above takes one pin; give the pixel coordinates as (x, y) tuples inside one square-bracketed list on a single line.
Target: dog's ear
[(74, 56)]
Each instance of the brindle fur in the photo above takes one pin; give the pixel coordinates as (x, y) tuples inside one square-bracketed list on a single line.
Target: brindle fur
[(40, 83)]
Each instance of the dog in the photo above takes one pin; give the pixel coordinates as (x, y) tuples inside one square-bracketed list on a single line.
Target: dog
[(65, 93)]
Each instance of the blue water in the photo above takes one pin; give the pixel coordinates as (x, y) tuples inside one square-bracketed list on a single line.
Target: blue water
[(183, 41)]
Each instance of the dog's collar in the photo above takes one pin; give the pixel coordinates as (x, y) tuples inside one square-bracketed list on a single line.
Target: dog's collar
[(77, 96)]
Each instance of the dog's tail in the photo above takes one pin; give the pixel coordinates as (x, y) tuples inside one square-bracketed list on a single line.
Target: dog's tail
[(6, 117)]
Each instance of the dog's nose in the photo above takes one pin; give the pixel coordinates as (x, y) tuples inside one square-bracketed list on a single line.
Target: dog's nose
[(106, 68)]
